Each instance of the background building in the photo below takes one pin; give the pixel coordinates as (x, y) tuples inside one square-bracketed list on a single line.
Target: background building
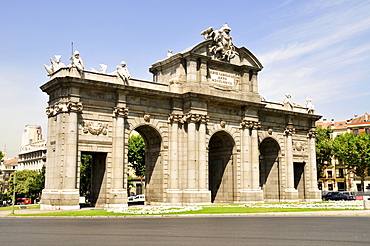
[(335, 176), (31, 134), (7, 168), (33, 150)]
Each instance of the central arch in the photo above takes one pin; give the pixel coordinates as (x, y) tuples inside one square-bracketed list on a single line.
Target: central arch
[(153, 164), (221, 167)]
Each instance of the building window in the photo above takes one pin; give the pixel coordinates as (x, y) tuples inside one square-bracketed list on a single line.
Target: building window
[(355, 132), (340, 173), (330, 174), (367, 130), (330, 186), (341, 186)]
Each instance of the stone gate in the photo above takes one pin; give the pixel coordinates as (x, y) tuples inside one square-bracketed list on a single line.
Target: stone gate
[(209, 135)]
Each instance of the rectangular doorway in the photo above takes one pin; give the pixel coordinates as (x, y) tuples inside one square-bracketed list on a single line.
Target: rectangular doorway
[(96, 187)]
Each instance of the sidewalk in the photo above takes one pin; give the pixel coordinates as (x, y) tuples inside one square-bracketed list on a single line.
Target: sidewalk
[(350, 213)]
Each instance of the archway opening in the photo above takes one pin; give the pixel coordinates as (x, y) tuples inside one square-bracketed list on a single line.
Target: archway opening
[(299, 180), (93, 178), (153, 164), (221, 168), (269, 169)]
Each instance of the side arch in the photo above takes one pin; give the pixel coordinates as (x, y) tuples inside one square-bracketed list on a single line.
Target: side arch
[(270, 175)]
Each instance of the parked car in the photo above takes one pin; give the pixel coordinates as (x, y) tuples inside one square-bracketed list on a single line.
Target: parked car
[(342, 196), (21, 201), (350, 193), (329, 195), (339, 195), (139, 198)]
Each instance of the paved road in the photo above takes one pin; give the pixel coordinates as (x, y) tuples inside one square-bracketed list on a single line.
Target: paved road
[(186, 231)]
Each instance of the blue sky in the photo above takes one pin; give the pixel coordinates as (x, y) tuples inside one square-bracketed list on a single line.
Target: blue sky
[(316, 48)]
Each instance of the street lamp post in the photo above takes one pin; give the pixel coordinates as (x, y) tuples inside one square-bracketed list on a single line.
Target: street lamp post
[(13, 192)]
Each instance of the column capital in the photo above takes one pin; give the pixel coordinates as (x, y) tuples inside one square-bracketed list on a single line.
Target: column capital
[(289, 130), (63, 107), (180, 118), (312, 133), (120, 112), (188, 118), (253, 125)]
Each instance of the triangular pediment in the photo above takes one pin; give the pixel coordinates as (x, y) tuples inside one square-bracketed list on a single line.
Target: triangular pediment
[(243, 57)]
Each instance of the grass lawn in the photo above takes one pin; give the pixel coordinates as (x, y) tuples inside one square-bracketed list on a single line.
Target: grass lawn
[(205, 210)]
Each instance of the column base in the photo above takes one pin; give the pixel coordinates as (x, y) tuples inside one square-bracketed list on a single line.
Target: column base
[(191, 196), (117, 198), (66, 199), (289, 195), (248, 196), (174, 196), (313, 195)]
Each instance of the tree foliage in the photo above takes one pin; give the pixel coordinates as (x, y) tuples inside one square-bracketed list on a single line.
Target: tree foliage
[(354, 152), (1, 155), (136, 154), (28, 183), (324, 148), (85, 174)]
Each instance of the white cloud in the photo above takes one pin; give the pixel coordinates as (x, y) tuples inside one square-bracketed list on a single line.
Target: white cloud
[(323, 57)]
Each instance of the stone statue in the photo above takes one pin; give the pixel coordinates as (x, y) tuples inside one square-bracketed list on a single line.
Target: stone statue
[(169, 53), (122, 71), (222, 47), (310, 107), (287, 100), (77, 61), (55, 65), (103, 69)]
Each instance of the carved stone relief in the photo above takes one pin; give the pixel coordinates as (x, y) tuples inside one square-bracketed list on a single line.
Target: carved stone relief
[(147, 118), (299, 146), (95, 128)]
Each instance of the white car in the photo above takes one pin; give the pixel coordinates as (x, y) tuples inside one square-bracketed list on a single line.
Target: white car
[(139, 198)]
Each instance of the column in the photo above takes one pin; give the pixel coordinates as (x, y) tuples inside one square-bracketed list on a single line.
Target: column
[(313, 192), (174, 152), (192, 153), (70, 150), (254, 156), (202, 150), (290, 192), (250, 162), (63, 161), (191, 71), (246, 174), (118, 193)]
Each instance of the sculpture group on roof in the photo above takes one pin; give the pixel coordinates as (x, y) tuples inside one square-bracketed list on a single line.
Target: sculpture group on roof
[(288, 102), (222, 47), (77, 62)]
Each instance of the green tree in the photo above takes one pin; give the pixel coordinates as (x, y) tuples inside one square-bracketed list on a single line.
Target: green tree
[(28, 183), (85, 175), (324, 149), (354, 152), (136, 155), (1, 155)]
